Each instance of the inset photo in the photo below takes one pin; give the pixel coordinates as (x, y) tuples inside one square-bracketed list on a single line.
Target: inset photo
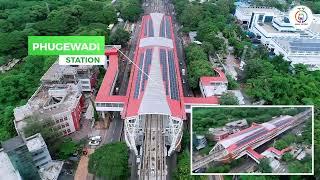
[(252, 140)]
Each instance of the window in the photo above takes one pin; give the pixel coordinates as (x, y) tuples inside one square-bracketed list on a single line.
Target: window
[(62, 126), (69, 131), (65, 118), (64, 132), (61, 120), (67, 124), (57, 121)]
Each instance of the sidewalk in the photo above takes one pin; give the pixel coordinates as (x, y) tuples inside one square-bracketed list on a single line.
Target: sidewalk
[(82, 169)]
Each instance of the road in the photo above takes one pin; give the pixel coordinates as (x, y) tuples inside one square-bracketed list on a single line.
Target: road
[(115, 130)]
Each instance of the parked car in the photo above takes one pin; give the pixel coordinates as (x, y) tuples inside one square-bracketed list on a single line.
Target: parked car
[(96, 138), (94, 143)]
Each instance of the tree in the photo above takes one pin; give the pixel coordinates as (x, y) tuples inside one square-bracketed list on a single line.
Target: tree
[(38, 13), (198, 64), (264, 166), (281, 144), (37, 125), (67, 148), (191, 15), (232, 84), (110, 161), (120, 36), (228, 99), (287, 157), (129, 9)]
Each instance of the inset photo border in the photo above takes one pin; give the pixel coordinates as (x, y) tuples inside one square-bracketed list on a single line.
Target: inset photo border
[(252, 140)]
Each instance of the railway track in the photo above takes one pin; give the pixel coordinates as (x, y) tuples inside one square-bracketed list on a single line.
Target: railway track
[(154, 158), (301, 117)]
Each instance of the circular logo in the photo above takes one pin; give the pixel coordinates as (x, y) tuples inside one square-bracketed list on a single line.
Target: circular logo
[(301, 17)]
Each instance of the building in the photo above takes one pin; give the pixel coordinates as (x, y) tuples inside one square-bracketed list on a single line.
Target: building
[(20, 157), (38, 149), (247, 14), (7, 170), (213, 85), (201, 142), (217, 134), (297, 50), (272, 152), (27, 158), (274, 29), (154, 97), (61, 103), (240, 124), (245, 141), (51, 171), (85, 75)]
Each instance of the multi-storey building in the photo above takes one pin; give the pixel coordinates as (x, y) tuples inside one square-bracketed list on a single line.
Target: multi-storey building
[(86, 76), (60, 103), (27, 158), (274, 29)]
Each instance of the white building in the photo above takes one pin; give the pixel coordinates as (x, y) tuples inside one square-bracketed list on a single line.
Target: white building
[(276, 32), (85, 75), (62, 103), (38, 149), (35, 147), (213, 85), (297, 50), (7, 171)]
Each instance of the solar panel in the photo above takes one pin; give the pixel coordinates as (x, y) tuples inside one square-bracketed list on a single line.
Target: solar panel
[(282, 122), (163, 61), (168, 31), (305, 46), (138, 80), (145, 29), (251, 137), (172, 75), (162, 29), (147, 62), (151, 34)]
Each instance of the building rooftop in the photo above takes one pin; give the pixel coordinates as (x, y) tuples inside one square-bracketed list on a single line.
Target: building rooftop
[(51, 171), (48, 101), (56, 72), (221, 77), (158, 89), (247, 135), (270, 29), (12, 143), (247, 11), (218, 131), (106, 88), (308, 46), (7, 171), (35, 142), (242, 122)]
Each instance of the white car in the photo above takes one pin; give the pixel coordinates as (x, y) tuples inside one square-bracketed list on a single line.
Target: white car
[(94, 143), (95, 138)]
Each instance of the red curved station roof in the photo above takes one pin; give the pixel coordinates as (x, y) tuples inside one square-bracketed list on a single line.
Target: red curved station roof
[(256, 132), (155, 84)]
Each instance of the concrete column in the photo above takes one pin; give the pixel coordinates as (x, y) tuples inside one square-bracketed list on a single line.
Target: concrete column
[(103, 115)]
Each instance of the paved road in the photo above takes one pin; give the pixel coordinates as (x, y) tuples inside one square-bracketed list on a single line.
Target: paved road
[(115, 130)]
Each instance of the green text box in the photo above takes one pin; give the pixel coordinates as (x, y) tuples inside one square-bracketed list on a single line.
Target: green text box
[(66, 45)]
